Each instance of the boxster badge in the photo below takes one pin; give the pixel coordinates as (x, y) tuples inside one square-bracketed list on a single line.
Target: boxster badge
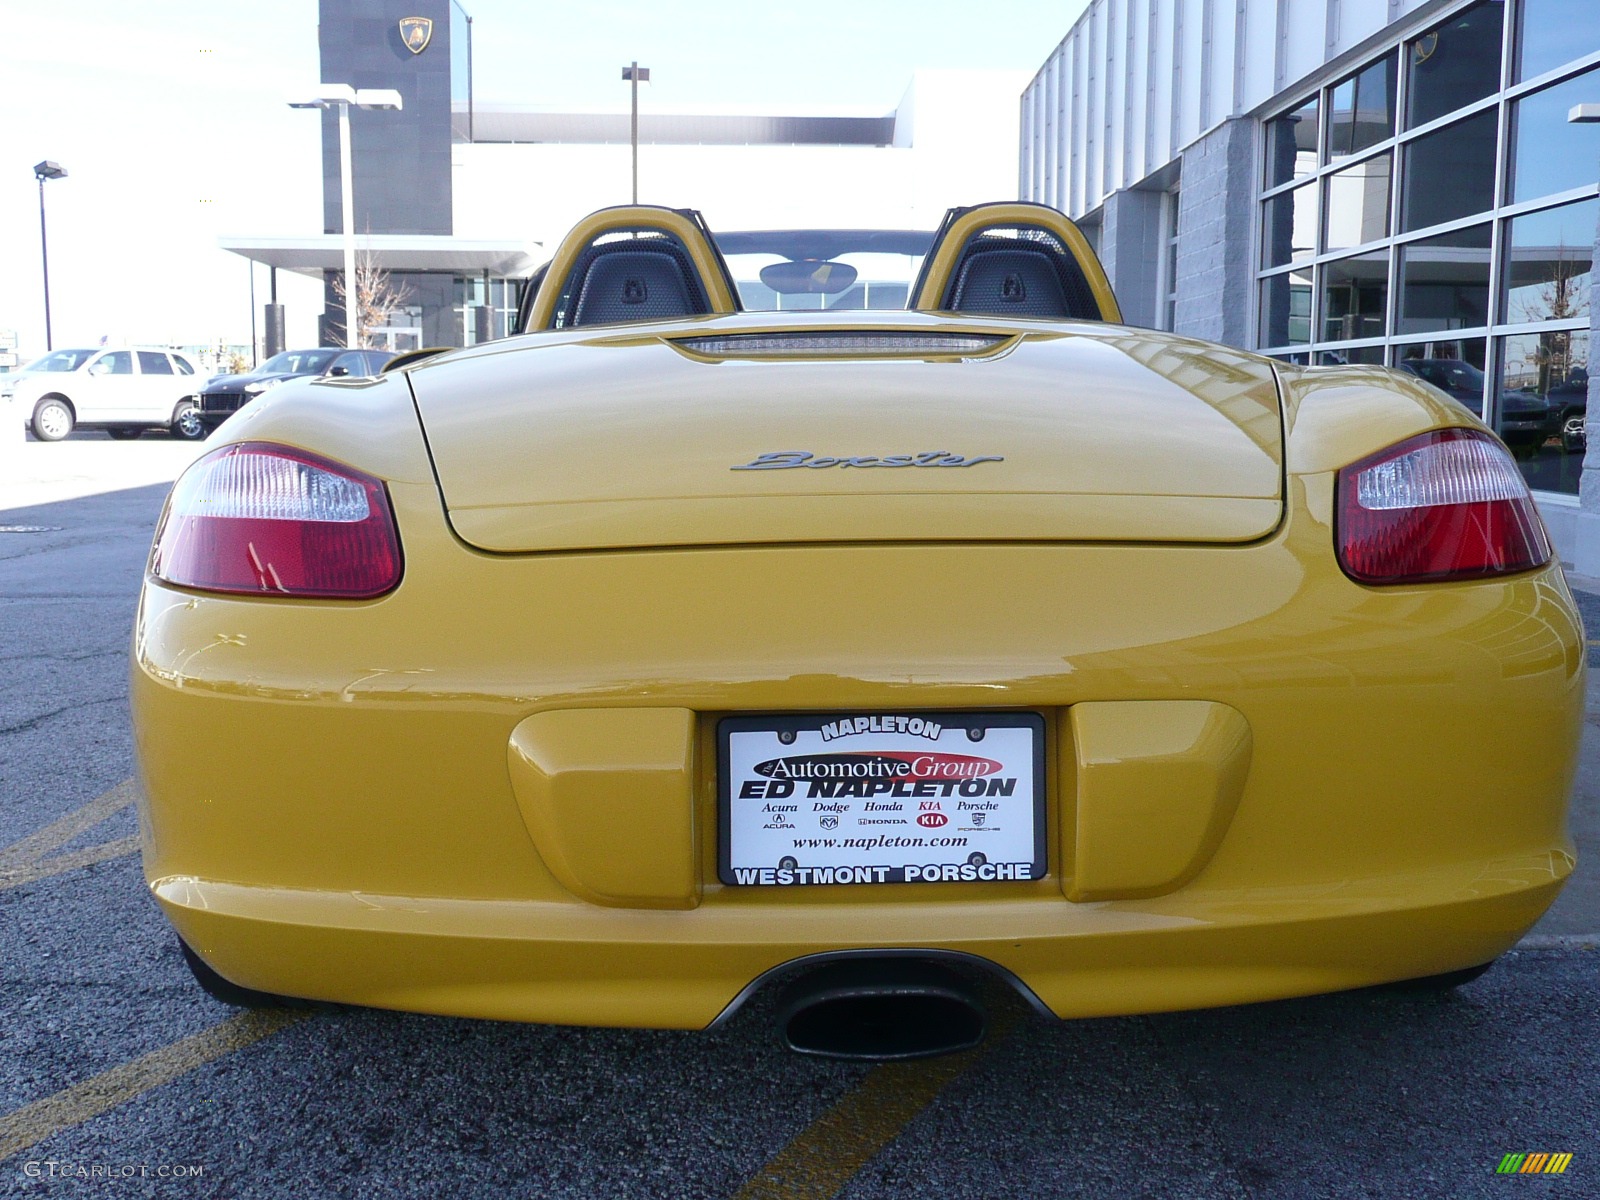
[(416, 33)]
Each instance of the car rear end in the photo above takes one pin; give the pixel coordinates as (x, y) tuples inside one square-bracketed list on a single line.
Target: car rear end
[(684, 661)]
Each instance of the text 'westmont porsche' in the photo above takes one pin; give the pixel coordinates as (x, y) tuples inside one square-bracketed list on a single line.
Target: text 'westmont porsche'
[(556, 693)]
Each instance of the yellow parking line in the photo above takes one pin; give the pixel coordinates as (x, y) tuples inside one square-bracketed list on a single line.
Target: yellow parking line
[(11, 877), (58, 833), (42, 1119), (826, 1154)]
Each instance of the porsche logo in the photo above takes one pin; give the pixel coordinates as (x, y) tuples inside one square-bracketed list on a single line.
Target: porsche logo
[(416, 33)]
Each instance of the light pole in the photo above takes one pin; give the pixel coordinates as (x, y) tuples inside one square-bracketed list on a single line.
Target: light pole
[(635, 75), (342, 96), (41, 172), (1585, 114)]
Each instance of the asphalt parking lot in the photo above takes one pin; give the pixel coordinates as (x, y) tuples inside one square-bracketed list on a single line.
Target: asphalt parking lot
[(119, 1077)]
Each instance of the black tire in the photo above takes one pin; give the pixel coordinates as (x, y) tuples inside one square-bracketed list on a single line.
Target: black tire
[(123, 433), (53, 419), (186, 423), (231, 993), (1439, 984)]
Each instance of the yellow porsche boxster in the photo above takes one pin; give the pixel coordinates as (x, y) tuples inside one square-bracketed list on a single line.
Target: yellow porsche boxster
[(727, 629)]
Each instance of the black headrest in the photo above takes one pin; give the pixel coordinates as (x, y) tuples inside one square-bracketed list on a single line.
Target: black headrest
[(1020, 277), (634, 280)]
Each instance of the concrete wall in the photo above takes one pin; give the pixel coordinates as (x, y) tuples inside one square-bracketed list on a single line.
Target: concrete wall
[(1130, 250), (1215, 255)]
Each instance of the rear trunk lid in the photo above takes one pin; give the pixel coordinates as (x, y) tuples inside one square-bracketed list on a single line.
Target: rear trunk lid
[(612, 443)]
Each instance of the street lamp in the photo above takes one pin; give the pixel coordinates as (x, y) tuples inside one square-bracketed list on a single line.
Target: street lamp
[(1584, 114), (342, 96), (635, 75), (41, 172)]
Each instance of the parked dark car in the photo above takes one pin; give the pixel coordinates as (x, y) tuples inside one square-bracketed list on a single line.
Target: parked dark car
[(225, 395), (1527, 421)]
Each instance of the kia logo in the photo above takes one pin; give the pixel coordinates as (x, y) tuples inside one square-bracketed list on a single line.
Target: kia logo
[(933, 820)]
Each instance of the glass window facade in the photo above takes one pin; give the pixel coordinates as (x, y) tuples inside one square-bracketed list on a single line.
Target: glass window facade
[(1433, 211), (1455, 63), (1553, 33), (1355, 297), (1358, 203), (1361, 110), (1286, 309), (1549, 259), (1550, 154), (1450, 172), (1444, 282), (1292, 144)]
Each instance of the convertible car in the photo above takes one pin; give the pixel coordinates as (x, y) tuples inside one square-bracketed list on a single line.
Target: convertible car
[(674, 650)]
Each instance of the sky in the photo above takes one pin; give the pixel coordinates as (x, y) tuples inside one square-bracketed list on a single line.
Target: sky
[(170, 119)]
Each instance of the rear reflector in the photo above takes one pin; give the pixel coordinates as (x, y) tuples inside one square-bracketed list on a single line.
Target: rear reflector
[(258, 519), (1449, 504)]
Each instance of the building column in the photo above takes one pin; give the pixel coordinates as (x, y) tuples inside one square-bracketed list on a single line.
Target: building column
[(1130, 251), (1586, 527), (1216, 259)]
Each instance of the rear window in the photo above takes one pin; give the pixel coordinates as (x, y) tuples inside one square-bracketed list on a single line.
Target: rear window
[(877, 267), (151, 363)]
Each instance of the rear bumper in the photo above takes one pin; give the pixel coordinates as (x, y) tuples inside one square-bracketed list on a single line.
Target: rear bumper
[(577, 964), (361, 835)]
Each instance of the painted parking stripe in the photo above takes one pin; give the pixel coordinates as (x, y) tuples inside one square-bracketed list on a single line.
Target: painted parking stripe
[(11, 877), (58, 833), (45, 1118), (826, 1154), (31, 859)]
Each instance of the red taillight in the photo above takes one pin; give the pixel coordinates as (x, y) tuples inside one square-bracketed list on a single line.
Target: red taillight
[(1449, 504), (264, 520)]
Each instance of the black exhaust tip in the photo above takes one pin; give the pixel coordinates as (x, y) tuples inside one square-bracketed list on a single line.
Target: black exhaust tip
[(879, 1010)]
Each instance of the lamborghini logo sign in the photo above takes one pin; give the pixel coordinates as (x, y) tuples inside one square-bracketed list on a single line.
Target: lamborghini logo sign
[(416, 33)]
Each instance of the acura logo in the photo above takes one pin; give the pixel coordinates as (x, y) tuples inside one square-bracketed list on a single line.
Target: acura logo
[(781, 460)]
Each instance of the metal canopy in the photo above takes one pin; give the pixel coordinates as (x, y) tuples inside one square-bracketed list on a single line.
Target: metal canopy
[(392, 252)]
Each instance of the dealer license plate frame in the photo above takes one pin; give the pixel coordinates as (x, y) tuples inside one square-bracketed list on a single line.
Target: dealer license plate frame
[(953, 739)]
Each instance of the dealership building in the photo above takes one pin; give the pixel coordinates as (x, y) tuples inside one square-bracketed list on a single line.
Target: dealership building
[(459, 197), (1325, 181), (1348, 181)]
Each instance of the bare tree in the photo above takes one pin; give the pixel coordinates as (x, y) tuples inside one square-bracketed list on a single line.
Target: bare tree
[(378, 298), (1563, 296)]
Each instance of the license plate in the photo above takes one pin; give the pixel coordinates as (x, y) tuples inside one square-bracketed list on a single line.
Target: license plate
[(881, 798)]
